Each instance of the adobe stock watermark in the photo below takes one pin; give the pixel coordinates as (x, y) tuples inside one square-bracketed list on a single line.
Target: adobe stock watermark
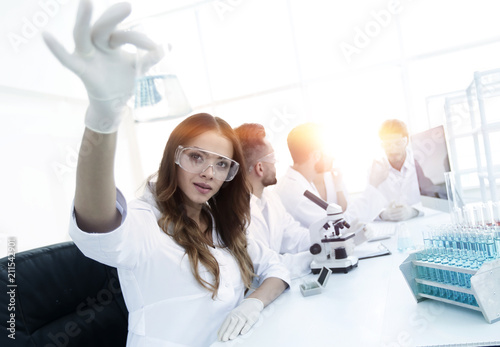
[(464, 115), (364, 34), (71, 158), (279, 122), (11, 286), (32, 25), (425, 148), (419, 323), (459, 114), (222, 7)]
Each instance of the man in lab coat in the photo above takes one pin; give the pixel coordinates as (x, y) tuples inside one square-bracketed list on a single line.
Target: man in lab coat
[(270, 222), (312, 170), (400, 189)]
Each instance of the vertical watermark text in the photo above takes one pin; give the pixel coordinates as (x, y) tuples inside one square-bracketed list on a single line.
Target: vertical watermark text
[(11, 287)]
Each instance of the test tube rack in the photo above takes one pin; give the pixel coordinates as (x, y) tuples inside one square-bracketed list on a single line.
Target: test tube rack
[(484, 285)]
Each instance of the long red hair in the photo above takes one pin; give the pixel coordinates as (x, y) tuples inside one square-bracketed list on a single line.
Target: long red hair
[(229, 207)]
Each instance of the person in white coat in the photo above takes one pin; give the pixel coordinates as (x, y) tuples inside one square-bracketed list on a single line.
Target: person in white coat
[(400, 189), (270, 222), (311, 167), (183, 258)]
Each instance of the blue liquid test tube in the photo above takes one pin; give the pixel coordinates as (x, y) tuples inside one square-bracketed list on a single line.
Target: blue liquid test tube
[(496, 240)]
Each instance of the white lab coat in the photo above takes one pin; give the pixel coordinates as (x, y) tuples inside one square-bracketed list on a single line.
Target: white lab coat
[(401, 187), (167, 306), (292, 186), (275, 227)]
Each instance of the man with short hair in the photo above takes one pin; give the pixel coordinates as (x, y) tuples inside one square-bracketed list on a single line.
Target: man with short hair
[(311, 170), (270, 222), (400, 189)]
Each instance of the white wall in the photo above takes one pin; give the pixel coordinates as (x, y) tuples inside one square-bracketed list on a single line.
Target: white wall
[(38, 144)]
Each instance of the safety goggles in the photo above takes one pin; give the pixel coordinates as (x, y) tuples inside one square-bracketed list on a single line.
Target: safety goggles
[(394, 143), (268, 158), (197, 160)]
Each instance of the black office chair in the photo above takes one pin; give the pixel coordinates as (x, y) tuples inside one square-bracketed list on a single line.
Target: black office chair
[(61, 298)]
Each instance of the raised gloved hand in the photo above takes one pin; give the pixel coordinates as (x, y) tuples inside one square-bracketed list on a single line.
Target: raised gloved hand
[(241, 319), (398, 213), (338, 178), (107, 71), (378, 172)]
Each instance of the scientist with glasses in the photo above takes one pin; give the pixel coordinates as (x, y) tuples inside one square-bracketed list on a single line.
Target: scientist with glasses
[(312, 170), (271, 223), (400, 189), (183, 257)]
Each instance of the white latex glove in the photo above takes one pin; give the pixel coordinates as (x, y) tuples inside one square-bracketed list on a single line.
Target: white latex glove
[(241, 319), (398, 213), (338, 177), (107, 71)]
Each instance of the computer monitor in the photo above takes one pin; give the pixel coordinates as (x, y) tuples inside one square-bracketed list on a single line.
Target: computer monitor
[(431, 162)]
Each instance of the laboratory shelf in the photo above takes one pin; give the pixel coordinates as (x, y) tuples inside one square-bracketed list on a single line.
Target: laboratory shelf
[(484, 289), (461, 304), (444, 286), (444, 267), (472, 115)]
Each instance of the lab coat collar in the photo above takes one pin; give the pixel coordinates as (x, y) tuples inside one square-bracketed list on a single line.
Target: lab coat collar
[(297, 176), (255, 201), (408, 165), (149, 198), (260, 202), (301, 180)]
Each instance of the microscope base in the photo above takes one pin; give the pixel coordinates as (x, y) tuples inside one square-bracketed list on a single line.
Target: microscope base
[(336, 265)]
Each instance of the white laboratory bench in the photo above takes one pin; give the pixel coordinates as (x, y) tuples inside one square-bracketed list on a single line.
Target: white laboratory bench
[(371, 305)]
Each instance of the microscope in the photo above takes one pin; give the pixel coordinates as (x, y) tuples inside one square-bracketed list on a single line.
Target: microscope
[(325, 237)]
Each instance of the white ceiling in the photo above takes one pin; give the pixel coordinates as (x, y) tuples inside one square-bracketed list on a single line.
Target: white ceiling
[(424, 27)]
